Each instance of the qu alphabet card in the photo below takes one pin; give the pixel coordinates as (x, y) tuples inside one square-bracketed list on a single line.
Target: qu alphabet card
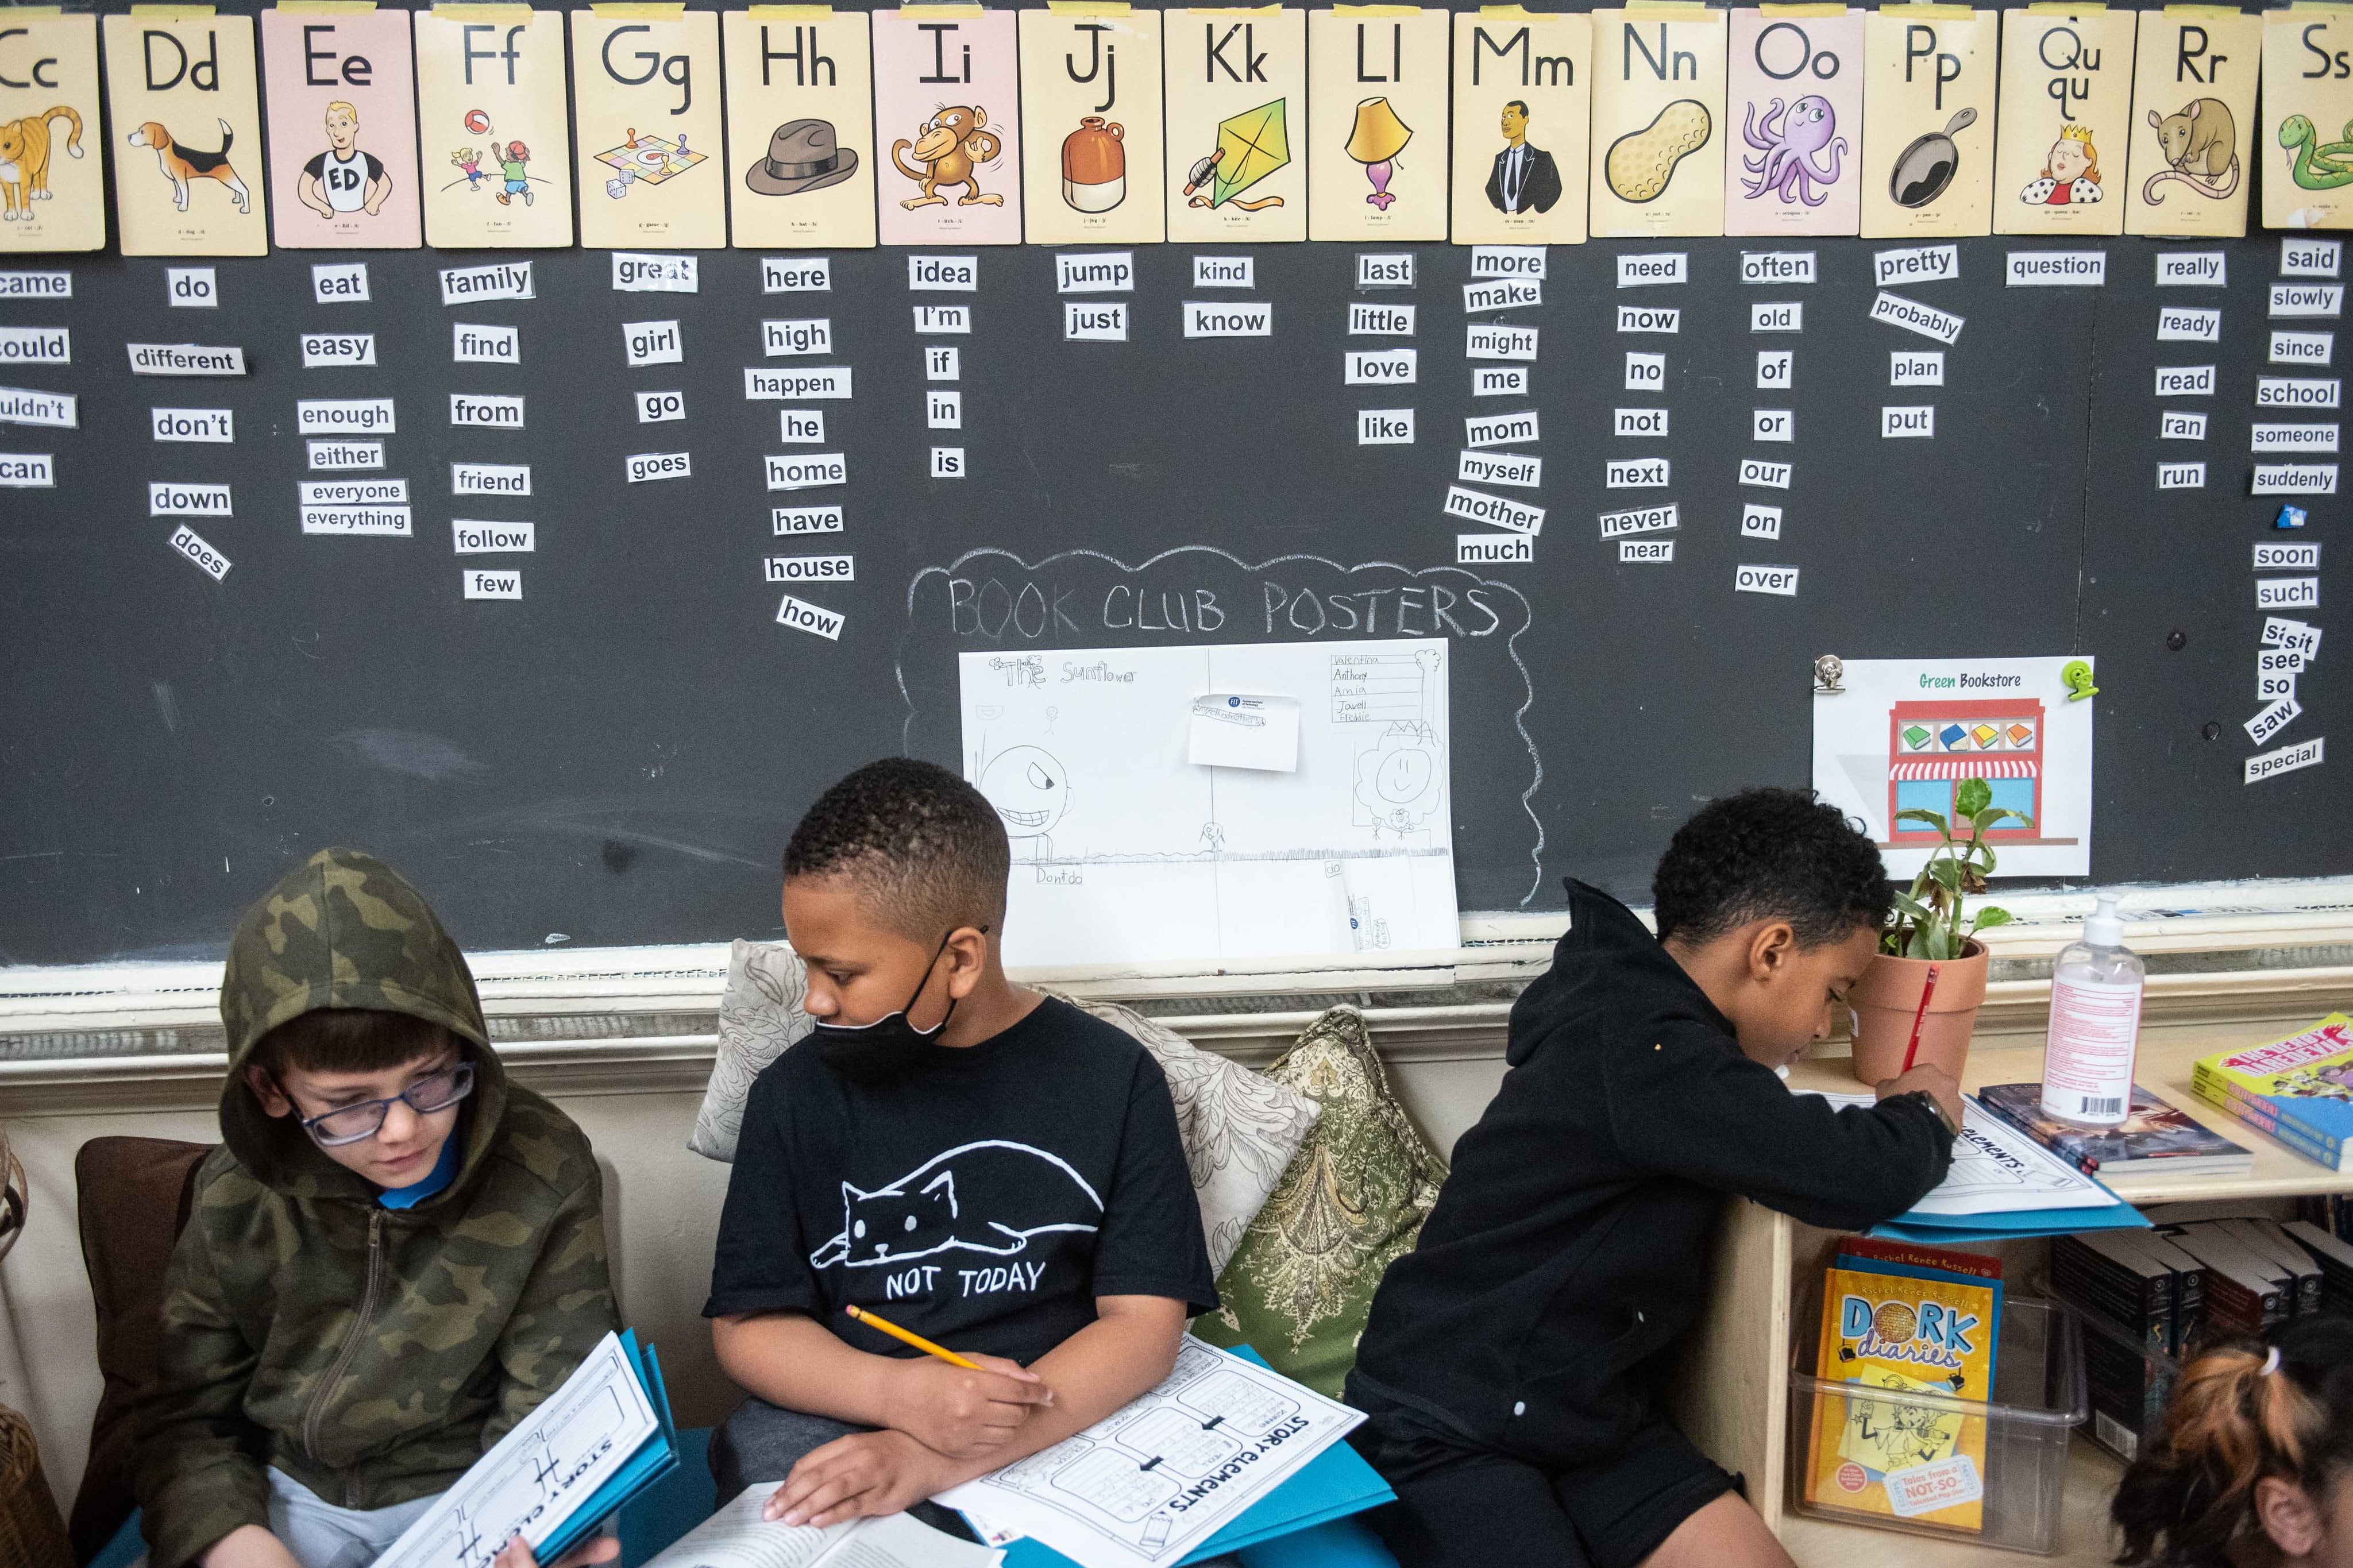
[(1929, 77), (648, 127), (1794, 81), (2307, 135), (1523, 114), (342, 127), (1658, 109), (183, 99), (2066, 118), (496, 149), (947, 106), (800, 128), (2193, 121), (1377, 123), (1090, 133), (1236, 96), (52, 144)]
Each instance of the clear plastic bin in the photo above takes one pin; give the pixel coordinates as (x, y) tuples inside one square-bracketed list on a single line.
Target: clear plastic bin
[(2040, 1398)]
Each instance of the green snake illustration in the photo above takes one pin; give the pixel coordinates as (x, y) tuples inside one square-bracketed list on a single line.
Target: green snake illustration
[(2319, 166)]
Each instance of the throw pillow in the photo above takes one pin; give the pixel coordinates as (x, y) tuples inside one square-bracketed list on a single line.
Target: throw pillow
[(759, 1015)]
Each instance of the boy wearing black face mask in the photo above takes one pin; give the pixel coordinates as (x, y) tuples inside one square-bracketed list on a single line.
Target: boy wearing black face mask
[(987, 1167)]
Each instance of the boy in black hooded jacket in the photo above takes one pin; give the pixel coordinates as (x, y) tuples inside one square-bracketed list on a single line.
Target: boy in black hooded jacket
[(1511, 1363)]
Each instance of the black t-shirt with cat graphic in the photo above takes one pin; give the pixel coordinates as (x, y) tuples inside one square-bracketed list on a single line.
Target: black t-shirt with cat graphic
[(983, 1199)]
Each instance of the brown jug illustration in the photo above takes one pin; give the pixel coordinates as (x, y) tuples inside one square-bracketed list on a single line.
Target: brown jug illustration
[(1094, 165)]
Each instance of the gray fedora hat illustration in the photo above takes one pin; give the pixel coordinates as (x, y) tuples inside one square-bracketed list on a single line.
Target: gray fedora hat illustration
[(802, 157)]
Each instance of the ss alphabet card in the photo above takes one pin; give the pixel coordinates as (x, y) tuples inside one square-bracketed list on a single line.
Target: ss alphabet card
[(52, 144), (647, 126), (800, 128), (491, 107), (947, 106), (342, 128), (185, 102), (2066, 117), (1794, 83), (1658, 111), (2194, 122), (1929, 76), (1236, 108), (2308, 118), (1092, 151), (1377, 162), (1523, 123)]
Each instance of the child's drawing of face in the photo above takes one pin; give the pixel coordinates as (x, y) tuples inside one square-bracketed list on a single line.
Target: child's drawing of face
[(2069, 158)]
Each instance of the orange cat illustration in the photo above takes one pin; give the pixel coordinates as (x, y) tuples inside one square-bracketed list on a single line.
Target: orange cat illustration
[(25, 160)]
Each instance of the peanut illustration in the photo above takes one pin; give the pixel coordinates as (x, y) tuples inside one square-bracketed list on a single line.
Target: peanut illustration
[(1640, 163)]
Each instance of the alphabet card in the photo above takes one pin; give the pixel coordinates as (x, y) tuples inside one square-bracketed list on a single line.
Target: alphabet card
[(2066, 103), (800, 128), (1091, 143), (52, 142), (496, 148), (2308, 118), (1236, 93), (1794, 81), (2194, 122), (1658, 108), (947, 100), (185, 99), (647, 124), (1929, 75), (1377, 124), (342, 128), (1522, 120)]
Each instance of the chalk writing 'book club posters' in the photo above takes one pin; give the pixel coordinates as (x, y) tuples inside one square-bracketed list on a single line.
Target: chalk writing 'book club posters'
[(1377, 124), (495, 140), (52, 144), (1092, 144), (1237, 131), (947, 123), (1523, 114), (1658, 112), (342, 129), (648, 128), (2306, 136), (1793, 121), (1929, 79), (800, 128), (2194, 122), (184, 105), (2066, 121)]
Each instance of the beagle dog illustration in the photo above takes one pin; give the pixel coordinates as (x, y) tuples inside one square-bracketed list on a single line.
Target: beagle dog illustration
[(181, 164)]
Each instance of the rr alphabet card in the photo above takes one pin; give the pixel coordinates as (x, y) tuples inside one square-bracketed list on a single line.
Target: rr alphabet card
[(947, 105), (1795, 83), (185, 99), (800, 128), (1523, 118), (649, 128), (1376, 160), (1237, 111), (2194, 122), (342, 129), (1658, 111), (1928, 121), (52, 146), (497, 151), (1092, 146), (2066, 118)]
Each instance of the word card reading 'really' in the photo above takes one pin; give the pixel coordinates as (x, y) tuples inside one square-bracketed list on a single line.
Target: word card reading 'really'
[(342, 129), (1658, 113), (1237, 125), (184, 102), (496, 143), (800, 130), (1523, 127), (55, 192), (1378, 126), (647, 125), (1929, 121)]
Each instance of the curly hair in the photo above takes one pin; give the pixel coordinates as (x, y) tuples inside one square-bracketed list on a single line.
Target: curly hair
[(1766, 854), (924, 848)]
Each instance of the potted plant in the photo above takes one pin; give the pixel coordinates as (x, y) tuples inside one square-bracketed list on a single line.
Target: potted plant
[(1933, 927)]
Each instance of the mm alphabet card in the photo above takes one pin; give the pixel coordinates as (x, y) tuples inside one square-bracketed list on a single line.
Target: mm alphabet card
[(1091, 161), (342, 128), (1377, 124), (1237, 109), (1522, 122), (647, 126), (496, 150), (2193, 121), (2066, 118), (1658, 111), (947, 105), (184, 99), (800, 128), (52, 144), (1929, 76)]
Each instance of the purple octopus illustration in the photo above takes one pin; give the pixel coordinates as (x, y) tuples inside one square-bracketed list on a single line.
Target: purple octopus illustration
[(1785, 162)]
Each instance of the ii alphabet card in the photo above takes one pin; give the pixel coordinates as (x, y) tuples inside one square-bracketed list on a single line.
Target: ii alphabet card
[(947, 105)]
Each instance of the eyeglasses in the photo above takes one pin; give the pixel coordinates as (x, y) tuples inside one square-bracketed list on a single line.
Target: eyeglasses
[(350, 1123)]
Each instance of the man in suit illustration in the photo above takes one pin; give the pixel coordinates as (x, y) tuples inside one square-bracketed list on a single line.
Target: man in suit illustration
[(1524, 178)]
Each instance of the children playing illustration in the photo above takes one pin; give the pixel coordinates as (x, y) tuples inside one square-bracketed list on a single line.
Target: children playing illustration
[(470, 163), (2070, 172), (511, 165)]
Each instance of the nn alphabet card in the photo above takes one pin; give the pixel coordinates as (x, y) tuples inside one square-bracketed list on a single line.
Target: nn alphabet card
[(1658, 115)]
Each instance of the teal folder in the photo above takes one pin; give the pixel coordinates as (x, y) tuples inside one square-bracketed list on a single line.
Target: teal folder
[(656, 1459)]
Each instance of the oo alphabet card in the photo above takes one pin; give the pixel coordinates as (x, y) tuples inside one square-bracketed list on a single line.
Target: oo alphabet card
[(648, 125), (947, 104), (2308, 118), (2194, 122), (185, 104), (1794, 81), (1658, 111), (52, 144), (1092, 144), (496, 146), (2066, 118), (1377, 124), (342, 128), (800, 128), (1929, 76), (1522, 119), (1237, 104)]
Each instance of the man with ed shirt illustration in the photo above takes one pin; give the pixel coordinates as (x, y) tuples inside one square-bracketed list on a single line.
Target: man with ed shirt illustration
[(1524, 178), (343, 179)]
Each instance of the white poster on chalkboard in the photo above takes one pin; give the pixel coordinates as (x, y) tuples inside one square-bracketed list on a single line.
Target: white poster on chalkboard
[(1904, 735)]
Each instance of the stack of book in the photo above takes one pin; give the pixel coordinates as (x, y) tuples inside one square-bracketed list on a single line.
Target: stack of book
[(2299, 1089), (2154, 1139)]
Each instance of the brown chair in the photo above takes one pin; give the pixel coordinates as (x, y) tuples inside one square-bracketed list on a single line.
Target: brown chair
[(134, 1195)]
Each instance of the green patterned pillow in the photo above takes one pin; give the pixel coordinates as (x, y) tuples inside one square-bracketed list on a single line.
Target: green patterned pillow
[(1350, 1203)]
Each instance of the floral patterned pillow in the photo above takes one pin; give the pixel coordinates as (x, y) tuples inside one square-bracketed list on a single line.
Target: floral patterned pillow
[(759, 1015)]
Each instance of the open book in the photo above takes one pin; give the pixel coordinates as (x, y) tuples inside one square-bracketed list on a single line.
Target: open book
[(737, 1537)]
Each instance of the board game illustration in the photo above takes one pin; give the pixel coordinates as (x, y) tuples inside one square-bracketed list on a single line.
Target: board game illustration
[(649, 158)]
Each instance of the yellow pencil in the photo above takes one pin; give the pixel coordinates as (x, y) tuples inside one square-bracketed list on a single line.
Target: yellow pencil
[(904, 1337)]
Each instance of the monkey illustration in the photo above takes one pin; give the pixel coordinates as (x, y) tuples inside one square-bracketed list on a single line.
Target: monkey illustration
[(950, 145), (2202, 140)]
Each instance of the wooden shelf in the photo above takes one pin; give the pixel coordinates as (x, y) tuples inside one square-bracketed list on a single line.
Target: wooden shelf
[(2083, 1537)]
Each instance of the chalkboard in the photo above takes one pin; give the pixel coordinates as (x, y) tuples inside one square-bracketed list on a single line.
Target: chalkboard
[(617, 757)]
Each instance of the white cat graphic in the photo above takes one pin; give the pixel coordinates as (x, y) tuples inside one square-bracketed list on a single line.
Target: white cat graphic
[(918, 1215)]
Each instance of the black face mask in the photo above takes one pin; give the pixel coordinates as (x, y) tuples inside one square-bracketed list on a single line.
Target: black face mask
[(887, 1047)]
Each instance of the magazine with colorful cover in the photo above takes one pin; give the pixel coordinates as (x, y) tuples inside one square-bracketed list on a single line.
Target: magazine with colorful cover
[(2153, 1136), (2299, 1089)]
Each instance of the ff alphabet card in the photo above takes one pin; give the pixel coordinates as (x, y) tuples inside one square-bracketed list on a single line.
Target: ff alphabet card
[(497, 144)]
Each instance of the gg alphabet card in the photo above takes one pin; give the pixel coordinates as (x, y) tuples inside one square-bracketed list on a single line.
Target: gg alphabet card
[(1794, 84), (1091, 143), (2307, 136), (1523, 115), (2066, 117), (648, 128), (497, 153), (2194, 122), (185, 101), (1377, 124), (800, 128), (1927, 121), (342, 128), (1237, 106), (1658, 111), (947, 105), (52, 151)]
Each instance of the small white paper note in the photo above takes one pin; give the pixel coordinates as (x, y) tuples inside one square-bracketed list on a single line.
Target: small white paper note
[(1233, 731)]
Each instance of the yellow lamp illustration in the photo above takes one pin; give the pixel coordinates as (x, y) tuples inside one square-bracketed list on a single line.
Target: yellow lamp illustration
[(1379, 136)]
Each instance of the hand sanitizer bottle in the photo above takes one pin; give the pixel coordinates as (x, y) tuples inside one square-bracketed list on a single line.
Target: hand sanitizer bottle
[(2087, 1066)]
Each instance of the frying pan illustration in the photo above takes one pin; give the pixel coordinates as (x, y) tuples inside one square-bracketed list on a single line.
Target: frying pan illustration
[(1926, 167)]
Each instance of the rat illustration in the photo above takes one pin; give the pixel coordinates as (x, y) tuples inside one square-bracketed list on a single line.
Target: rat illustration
[(921, 1213), (2202, 140)]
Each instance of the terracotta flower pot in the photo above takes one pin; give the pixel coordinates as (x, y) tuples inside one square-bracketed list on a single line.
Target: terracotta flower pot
[(1887, 998)]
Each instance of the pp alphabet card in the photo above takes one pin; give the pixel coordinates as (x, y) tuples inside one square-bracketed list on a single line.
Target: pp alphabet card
[(947, 104), (185, 100), (1377, 124), (1929, 75), (496, 150), (52, 144), (1236, 95), (648, 125), (2194, 122), (2308, 118), (1522, 119), (342, 128), (800, 128), (1795, 82), (2066, 105), (1092, 151), (1658, 109)]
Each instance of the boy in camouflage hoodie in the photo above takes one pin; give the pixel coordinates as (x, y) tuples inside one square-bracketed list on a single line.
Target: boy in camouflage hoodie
[(394, 1256)]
